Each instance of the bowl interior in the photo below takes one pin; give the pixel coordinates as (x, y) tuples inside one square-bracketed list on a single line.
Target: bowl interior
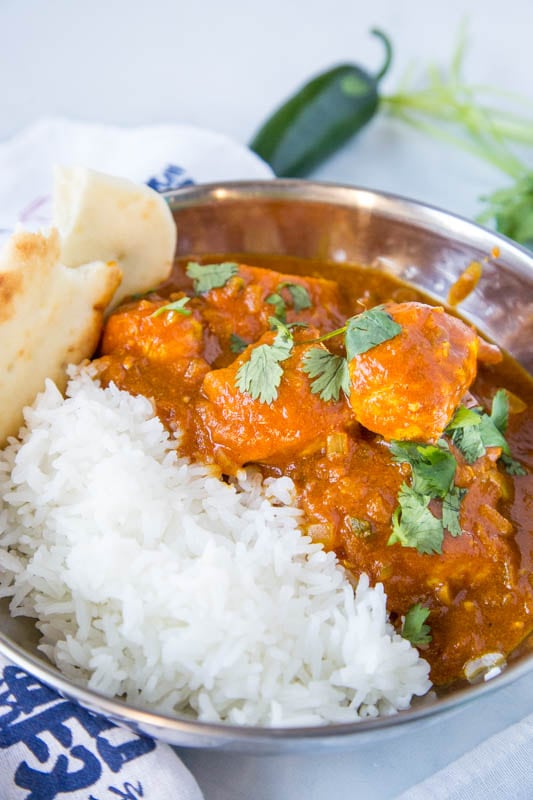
[(417, 243), (412, 241)]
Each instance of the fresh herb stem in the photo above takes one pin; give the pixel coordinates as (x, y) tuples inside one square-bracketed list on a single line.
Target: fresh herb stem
[(481, 129), (326, 336), (494, 153)]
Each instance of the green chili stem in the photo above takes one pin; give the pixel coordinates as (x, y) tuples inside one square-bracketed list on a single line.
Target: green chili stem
[(388, 52)]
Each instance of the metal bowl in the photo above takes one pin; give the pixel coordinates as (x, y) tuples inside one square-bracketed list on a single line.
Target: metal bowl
[(415, 242)]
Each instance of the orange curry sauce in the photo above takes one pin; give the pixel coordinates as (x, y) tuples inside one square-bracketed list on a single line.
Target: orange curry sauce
[(479, 590)]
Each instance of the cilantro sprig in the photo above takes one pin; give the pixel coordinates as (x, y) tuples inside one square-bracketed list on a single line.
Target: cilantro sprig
[(413, 523), (472, 431), (210, 276), (414, 626), (261, 375), (433, 469), (300, 299), (178, 306), (361, 333), (329, 372)]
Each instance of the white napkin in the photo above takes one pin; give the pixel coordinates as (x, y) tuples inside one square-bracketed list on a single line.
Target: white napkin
[(51, 748), (165, 156), (500, 767)]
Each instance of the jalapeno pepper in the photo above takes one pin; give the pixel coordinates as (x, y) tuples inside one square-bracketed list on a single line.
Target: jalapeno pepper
[(321, 117)]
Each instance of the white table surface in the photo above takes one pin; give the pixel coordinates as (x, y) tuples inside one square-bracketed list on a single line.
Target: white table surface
[(225, 66)]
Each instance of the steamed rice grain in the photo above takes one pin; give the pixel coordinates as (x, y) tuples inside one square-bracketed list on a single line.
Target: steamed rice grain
[(152, 579)]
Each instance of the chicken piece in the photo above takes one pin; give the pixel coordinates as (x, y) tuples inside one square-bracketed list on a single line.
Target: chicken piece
[(240, 308), (238, 429), (134, 329), (409, 386)]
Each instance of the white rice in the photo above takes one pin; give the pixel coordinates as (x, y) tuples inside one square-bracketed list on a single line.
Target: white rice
[(152, 579)]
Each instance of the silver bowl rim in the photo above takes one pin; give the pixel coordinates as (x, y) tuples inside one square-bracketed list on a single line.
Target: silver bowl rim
[(400, 208)]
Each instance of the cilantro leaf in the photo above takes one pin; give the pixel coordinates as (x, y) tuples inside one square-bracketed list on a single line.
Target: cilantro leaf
[(210, 276), (500, 410), (512, 466), (330, 373), (468, 440), (284, 331), (451, 507), (433, 467), (237, 344), (369, 329), (299, 294), (490, 435), (414, 628), (413, 524), (463, 418), (261, 375), (278, 302), (177, 306), (472, 430)]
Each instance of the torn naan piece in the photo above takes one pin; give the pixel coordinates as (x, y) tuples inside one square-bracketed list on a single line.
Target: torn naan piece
[(50, 316), (104, 218)]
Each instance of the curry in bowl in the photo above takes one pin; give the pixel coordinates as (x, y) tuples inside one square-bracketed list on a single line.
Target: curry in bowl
[(410, 461), (280, 491)]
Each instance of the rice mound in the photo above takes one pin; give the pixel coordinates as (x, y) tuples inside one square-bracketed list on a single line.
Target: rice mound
[(152, 579)]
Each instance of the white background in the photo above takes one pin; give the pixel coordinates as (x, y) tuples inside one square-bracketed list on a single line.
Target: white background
[(225, 66)]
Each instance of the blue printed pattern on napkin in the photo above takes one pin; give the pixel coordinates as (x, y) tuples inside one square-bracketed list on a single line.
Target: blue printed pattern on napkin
[(59, 747), (171, 177)]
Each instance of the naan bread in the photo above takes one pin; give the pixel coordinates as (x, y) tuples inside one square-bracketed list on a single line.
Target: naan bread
[(100, 217), (50, 316)]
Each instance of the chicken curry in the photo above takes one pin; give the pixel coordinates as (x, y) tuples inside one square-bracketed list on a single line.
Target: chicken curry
[(408, 437)]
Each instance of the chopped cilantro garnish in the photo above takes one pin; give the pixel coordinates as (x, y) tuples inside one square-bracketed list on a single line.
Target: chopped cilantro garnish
[(512, 466), (468, 441), (330, 373), (414, 628), (433, 467), (299, 296), (491, 436), (260, 376), (473, 431), (413, 524), (500, 410), (463, 418), (177, 306), (237, 344), (369, 329), (451, 507), (210, 276), (433, 470), (278, 302)]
